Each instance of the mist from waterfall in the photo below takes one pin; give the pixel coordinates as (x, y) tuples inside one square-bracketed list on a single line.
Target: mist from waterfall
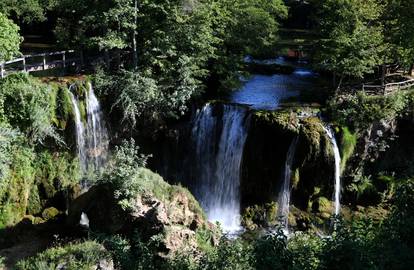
[(219, 144), (284, 194), (337, 192), (91, 136)]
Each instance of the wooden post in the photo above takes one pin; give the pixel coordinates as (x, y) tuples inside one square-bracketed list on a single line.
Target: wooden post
[(24, 64), (44, 62), (2, 71)]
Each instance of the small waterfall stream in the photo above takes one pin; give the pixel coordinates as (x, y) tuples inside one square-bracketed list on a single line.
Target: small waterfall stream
[(219, 144), (337, 155), (80, 131), (284, 194), (97, 134), (92, 136)]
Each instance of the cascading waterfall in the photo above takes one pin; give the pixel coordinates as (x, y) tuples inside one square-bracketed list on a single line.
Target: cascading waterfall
[(337, 155), (97, 134), (284, 194), (92, 136), (80, 131), (219, 147)]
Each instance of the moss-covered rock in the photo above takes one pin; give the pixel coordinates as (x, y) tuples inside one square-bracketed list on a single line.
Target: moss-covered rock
[(257, 216), (156, 209), (50, 213)]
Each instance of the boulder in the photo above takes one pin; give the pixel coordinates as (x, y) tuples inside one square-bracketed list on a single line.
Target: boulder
[(177, 215)]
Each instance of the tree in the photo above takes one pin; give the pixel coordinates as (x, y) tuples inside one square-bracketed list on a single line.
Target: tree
[(351, 37), (26, 10), (399, 21), (9, 39)]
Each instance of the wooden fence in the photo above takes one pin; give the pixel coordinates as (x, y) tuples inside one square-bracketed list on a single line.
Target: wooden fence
[(39, 62), (388, 88)]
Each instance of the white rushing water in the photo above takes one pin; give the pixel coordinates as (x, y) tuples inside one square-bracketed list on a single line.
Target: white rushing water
[(284, 194), (92, 136), (337, 155), (97, 134), (80, 130), (219, 143)]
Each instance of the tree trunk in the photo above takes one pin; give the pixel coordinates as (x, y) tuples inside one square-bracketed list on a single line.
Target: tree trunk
[(107, 60), (383, 71), (134, 37), (339, 84)]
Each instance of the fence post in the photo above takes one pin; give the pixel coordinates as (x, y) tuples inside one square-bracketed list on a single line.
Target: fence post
[(64, 60), (24, 64), (44, 62), (2, 71)]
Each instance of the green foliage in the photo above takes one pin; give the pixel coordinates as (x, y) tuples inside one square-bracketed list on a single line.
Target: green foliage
[(351, 39), (56, 171), (347, 143), (73, 256), (26, 10), (26, 106), (398, 19), (271, 252), (260, 216), (229, 255), (16, 176), (9, 38), (305, 251), (359, 111)]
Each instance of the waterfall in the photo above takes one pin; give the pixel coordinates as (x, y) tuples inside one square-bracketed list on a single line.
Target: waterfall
[(284, 194), (219, 144), (97, 135), (92, 136), (337, 192), (80, 131)]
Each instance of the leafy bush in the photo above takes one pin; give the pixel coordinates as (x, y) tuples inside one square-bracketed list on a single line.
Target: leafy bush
[(9, 38), (27, 107), (141, 97), (360, 111), (271, 252), (71, 257)]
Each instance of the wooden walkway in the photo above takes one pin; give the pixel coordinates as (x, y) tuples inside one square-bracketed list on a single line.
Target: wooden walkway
[(388, 88), (40, 62)]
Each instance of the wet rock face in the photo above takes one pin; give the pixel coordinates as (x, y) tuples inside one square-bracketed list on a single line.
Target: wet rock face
[(270, 136), (264, 156)]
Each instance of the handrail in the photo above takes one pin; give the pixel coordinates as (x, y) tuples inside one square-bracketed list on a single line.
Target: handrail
[(389, 87), (44, 64)]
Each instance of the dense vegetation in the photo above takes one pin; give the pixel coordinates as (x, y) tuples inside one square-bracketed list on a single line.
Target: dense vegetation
[(151, 62)]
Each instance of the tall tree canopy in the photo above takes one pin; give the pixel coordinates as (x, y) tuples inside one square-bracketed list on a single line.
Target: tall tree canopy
[(399, 25), (179, 43), (9, 38), (26, 10), (351, 40)]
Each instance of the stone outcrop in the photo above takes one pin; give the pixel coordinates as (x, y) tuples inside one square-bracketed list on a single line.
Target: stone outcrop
[(176, 216)]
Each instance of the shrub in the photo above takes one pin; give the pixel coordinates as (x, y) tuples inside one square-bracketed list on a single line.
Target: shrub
[(71, 257), (26, 107)]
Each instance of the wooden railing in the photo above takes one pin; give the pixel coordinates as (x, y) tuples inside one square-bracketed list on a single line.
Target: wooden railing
[(38, 62), (388, 88)]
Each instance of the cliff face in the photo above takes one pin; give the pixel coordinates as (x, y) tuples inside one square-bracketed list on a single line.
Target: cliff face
[(270, 136)]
